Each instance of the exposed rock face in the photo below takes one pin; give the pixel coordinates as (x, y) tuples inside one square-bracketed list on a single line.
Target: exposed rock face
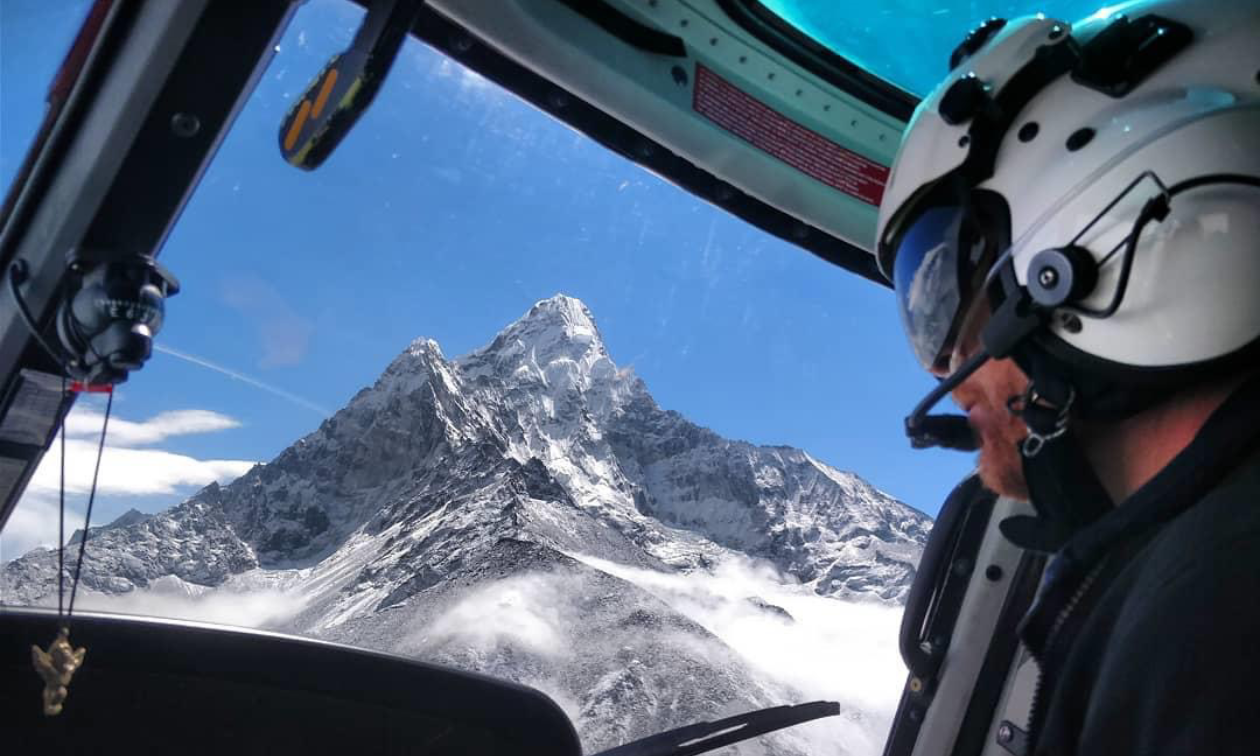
[(447, 480)]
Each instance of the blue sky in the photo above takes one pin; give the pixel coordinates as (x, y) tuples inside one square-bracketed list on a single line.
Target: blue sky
[(449, 210)]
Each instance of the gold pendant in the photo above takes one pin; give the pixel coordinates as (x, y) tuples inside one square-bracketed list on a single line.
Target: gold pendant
[(57, 665)]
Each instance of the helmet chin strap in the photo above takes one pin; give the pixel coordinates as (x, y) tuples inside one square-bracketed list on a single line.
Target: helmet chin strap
[(1063, 487), (1065, 492)]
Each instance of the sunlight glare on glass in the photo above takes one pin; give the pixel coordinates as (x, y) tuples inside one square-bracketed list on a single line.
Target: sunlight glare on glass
[(908, 42)]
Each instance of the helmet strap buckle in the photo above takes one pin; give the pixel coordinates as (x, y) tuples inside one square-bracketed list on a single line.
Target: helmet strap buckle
[(1046, 422)]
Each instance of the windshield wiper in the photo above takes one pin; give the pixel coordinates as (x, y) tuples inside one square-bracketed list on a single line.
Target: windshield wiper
[(706, 736)]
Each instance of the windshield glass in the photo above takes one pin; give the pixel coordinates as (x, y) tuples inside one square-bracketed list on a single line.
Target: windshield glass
[(908, 42), (481, 392), (34, 38)]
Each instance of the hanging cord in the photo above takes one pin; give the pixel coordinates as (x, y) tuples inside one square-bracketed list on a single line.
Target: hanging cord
[(18, 273), (61, 519), (87, 520)]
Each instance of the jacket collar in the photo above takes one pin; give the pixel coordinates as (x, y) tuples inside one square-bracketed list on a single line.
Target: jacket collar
[(1227, 439)]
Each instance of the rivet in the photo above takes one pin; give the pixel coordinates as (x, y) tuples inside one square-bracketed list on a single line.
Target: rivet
[(916, 685), (993, 573), (185, 125), (964, 140), (1005, 734), (1056, 31)]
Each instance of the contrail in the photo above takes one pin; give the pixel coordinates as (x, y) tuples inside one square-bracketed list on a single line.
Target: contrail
[(244, 378)]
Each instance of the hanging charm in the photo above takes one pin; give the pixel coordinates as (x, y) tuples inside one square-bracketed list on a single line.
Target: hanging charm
[(57, 665)]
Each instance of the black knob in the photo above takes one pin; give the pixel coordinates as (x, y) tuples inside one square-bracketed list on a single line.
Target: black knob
[(975, 40), (963, 100), (1059, 276)]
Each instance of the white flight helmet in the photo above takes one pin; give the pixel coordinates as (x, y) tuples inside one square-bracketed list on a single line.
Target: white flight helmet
[(1100, 182)]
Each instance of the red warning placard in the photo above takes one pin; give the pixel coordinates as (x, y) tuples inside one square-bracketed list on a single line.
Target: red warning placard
[(772, 132)]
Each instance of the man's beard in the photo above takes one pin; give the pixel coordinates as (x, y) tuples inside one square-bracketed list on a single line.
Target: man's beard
[(1002, 468)]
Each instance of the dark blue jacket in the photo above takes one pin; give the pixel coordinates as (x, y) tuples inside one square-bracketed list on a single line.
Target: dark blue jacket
[(1147, 625)]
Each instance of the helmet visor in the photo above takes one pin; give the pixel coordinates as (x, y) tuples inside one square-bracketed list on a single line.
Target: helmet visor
[(935, 260)]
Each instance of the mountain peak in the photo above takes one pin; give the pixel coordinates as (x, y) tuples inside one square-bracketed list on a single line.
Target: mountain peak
[(556, 333), (561, 313), (425, 347)]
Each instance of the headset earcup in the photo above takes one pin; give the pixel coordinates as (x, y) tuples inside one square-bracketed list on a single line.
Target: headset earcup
[(1057, 277)]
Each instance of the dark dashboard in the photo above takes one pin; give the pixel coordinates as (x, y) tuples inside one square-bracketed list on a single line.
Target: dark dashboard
[(164, 686)]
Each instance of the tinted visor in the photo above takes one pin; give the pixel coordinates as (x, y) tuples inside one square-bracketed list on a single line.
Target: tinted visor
[(936, 260)]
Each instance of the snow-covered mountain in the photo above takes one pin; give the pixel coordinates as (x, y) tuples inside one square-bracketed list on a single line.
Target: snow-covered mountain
[(453, 484)]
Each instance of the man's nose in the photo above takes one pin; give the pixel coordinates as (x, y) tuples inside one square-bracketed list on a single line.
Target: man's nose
[(949, 364)]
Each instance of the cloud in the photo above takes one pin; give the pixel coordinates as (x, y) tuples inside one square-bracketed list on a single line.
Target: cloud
[(130, 471), (829, 649), (822, 649), (285, 335), (124, 470), (33, 522), (85, 423), (172, 598), (520, 609)]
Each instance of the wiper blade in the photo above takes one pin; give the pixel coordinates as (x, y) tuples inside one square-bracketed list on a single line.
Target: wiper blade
[(707, 736)]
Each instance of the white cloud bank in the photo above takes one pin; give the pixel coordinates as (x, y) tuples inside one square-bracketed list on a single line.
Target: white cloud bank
[(830, 650), (85, 423), (138, 472), (527, 609), (172, 598), (125, 470)]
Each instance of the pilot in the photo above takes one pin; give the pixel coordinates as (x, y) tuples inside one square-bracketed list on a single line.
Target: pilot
[(1072, 228)]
